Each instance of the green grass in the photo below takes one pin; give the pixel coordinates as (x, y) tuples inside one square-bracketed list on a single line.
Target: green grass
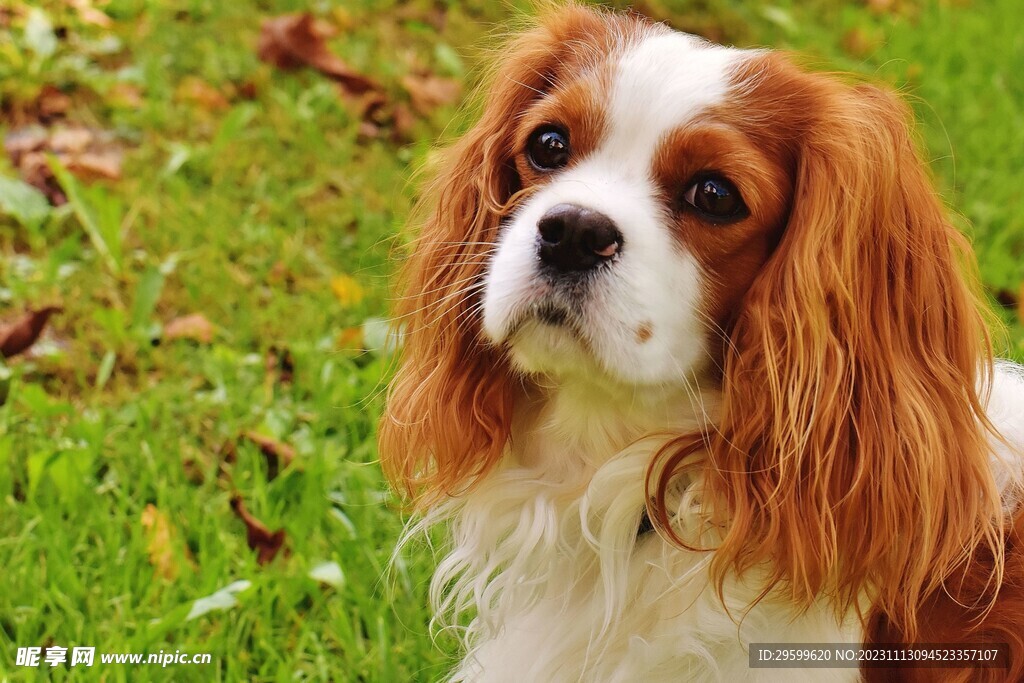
[(245, 214)]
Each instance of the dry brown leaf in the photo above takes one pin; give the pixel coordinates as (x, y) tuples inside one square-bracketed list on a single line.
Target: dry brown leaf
[(197, 91), (21, 141), (430, 92), (88, 153), (291, 41), (162, 544), (52, 102), (265, 542), (19, 335), (103, 164), (71, 140), (248, 90), (195, 327), (278, 454)]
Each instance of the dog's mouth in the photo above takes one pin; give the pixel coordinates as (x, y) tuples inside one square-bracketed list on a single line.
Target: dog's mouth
[(547, 313)]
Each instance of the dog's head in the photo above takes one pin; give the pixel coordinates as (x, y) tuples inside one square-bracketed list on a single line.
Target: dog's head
[(641, 208)]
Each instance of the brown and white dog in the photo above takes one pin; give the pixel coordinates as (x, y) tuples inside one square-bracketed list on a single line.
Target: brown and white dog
[(693, 359)]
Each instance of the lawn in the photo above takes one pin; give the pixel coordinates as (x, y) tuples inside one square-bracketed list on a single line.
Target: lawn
[(222, 261)]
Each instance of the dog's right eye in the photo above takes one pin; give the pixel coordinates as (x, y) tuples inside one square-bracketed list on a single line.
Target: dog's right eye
[(548, 148)]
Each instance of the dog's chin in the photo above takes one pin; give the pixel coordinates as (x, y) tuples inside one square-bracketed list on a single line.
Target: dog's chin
[(552, 343), (548, 341)]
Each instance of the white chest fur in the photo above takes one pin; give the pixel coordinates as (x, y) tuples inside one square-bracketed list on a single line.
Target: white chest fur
[(545, 556), (564, 590)]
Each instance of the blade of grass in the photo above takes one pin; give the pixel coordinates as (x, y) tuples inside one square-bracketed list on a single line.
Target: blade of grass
[(98, 213)]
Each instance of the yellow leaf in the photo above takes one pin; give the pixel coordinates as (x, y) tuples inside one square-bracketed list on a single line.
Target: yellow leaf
[(161, 537), (346, 290)]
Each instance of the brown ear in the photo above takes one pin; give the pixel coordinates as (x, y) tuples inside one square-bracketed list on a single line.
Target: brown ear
[(852, 452), (450, 404)]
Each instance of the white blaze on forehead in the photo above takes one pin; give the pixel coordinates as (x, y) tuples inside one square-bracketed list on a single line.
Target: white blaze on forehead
[(660, 83)]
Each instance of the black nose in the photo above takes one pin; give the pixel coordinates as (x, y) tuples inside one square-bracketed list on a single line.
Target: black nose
[(575, 238)]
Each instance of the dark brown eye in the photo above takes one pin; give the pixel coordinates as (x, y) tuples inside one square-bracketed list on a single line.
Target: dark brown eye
[(548, 148), (716, 199)]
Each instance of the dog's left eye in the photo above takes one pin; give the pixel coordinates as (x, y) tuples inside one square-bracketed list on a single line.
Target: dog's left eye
[(716, 199), (548, 148)]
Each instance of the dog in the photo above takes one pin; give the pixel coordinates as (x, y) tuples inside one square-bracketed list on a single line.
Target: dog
[(694, 360)]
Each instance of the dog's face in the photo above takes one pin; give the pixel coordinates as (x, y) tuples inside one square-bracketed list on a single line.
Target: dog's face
[(645, 214)]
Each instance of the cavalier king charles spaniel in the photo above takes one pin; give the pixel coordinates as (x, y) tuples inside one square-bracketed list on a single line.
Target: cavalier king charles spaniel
[(693, 359)]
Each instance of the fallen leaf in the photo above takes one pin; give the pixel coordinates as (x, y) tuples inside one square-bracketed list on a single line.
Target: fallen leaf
[(70, 140), (346, 289), (36, 171), (19, 335), (51, 102), (162, 544), (265, 542), (87, 153), (23, 140), (248, 90), (197, 91), (429, 92), (194, 327), (278, 454), (291, 41), (104, 164)]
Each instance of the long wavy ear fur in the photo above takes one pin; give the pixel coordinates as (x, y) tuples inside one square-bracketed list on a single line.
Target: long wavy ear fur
[(449, 408), (852, 454)]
